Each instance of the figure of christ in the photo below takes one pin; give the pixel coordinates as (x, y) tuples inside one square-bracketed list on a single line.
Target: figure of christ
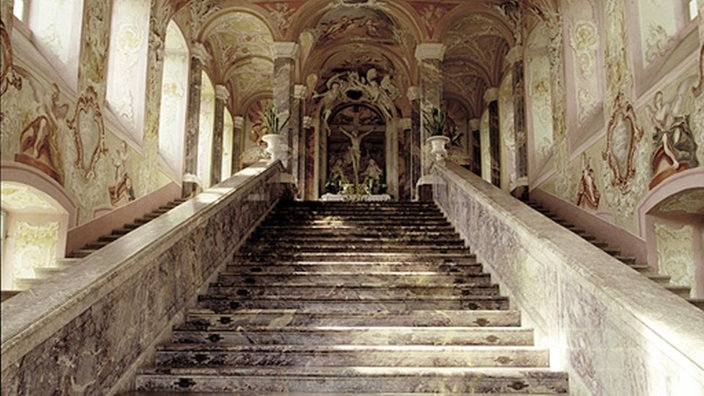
[(355, 151)]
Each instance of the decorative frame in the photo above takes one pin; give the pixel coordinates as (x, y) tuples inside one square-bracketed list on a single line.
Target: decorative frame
[(88, 101), (623, 111)]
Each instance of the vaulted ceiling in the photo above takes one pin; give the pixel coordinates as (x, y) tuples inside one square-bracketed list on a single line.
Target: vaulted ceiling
[(339, 35)]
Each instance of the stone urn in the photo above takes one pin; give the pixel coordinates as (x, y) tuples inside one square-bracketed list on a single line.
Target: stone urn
[(437, 146), (276, 147)]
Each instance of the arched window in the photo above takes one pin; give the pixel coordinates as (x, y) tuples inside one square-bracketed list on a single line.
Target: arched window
[(664, 35), (58, 39), (127, 63), (227, 141), (205, 130), (174, 97)]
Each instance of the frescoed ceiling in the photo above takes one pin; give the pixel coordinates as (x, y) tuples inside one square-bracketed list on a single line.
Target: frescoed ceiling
[(338, 35)]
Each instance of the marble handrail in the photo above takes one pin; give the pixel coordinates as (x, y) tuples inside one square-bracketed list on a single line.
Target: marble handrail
[(612, 329), (88, 329)]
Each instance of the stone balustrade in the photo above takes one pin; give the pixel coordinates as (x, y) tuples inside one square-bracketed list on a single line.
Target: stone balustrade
[(86, 331), (612, 329)]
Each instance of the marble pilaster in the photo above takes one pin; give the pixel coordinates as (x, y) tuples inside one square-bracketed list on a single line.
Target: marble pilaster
[(296, 122), (491, 96), (429, 57), (190, 162), (221, 96), (515, 59), (237, 142), (285, 55), (475, 143)]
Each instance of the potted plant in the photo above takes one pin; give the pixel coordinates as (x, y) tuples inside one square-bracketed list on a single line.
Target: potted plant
[(434, 123), (275, 144)]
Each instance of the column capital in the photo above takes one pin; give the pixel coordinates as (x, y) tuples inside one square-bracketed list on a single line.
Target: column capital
[(405, 123), (307, 122), (491, 94), (475, 124), (238, 122), (286, 50), (430, 51), (299, 91), (514, 54), (199, 52), (413, 93), (221, 92)]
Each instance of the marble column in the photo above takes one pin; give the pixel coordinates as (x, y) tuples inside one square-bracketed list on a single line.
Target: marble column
[(221, 96), (475, 145), (199, 55), (405, 159), (297, 136), (429, 56), (491, 99), (237, 142), (415, 144), (515, 59), (285, 55)]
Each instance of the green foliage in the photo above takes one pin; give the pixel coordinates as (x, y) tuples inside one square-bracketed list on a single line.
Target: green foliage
[(271, 120), (434, 122)]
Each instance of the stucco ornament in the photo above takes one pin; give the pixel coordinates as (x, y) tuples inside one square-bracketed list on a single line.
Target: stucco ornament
[(88, 133), (584, 40), (675, 255), (622, 135)]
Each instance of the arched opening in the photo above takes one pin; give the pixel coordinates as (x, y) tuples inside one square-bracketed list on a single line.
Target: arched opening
[(34, 228), (355, 151), (672, 221)]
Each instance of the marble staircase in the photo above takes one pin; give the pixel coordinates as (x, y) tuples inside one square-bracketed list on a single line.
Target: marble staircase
[(643, 268), (352, 299), (42, 273)]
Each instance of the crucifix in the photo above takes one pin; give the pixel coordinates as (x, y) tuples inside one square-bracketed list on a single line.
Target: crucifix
[(356, 132)]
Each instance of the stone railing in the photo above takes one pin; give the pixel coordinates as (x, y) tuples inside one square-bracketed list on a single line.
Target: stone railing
[(614, 331), (86, 331)]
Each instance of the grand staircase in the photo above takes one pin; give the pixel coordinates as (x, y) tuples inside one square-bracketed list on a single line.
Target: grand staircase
[(643, 268), (352, 298)]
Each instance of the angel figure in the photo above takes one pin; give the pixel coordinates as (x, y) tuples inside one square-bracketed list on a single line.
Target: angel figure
[(675, 147)]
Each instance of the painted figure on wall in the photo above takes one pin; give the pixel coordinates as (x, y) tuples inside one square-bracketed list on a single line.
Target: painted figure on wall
[(588, 194), (121, 191), (38, 145), (675, 148)]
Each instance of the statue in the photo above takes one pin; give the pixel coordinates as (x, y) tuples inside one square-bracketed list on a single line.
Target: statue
[(355, 151)]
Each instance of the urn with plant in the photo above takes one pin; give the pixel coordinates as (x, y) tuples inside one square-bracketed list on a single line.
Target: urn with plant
[(434, 123), (275, 143)]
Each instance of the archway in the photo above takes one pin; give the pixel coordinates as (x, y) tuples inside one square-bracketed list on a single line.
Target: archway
[(355, 151)]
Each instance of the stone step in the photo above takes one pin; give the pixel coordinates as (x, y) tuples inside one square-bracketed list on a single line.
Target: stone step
[(354, 292), (349, 228), (96, 245), (343, 233), (226, 303), (357, 381), (81, 253), (67, 262), (47, 272), (110, 238), (357, 335), (205, 319), (367, 267), (697, 302), (27, 283), (657, 278), (204, 355), (300, 248), (361, 222), (356, 279), (682, 291), (458, 256), (6, 294), (370, 240)]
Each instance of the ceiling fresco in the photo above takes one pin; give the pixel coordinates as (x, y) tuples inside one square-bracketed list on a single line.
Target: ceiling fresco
[(352, 35)]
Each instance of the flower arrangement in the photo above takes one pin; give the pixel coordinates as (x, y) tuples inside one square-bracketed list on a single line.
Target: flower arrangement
[(434, 123), (271, 120)]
